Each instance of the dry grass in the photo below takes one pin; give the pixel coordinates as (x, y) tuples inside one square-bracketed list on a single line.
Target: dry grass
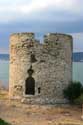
[(3, 94), (22, 114)]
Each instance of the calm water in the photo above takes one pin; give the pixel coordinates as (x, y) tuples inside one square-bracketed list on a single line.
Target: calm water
[(78, 71), (4, 71)]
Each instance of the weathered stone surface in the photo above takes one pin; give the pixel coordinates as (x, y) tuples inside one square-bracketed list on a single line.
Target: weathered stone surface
[(52, 66)]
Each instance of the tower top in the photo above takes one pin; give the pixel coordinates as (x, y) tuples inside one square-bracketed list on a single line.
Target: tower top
[(20, 37)]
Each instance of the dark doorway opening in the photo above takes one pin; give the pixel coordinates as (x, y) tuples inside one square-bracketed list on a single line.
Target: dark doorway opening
[(30, 83), (30, 86)]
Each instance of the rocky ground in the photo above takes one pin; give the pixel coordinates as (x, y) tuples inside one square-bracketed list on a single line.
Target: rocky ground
[(22, 114)]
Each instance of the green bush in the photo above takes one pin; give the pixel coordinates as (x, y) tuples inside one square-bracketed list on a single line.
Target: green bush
[(73, 91), (79, 100), (2, 122)]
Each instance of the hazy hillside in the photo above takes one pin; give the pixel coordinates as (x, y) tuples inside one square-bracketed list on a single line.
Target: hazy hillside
[(4, 57), (78, 57)]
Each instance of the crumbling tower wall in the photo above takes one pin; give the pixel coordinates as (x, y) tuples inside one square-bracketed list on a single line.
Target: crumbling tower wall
[(50, 63)]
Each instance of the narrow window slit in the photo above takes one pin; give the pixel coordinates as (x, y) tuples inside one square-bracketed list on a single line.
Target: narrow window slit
[(39, 90)]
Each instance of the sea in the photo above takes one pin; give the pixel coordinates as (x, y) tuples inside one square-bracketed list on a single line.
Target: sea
[(4, 69), (77, 68)]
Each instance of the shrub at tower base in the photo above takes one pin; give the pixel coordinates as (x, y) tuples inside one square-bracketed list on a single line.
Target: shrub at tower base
[(73, 91)]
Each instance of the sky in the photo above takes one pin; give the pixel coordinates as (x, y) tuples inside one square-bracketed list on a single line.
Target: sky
[(41, 17)]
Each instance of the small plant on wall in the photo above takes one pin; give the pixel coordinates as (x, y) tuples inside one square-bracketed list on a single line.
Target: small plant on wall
[(2, 122)]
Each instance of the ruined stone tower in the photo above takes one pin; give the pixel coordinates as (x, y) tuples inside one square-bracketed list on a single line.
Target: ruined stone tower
[(40, 71)]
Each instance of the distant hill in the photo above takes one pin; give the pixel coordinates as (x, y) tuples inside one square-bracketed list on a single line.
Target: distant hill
[(4, 57), (78, 57)]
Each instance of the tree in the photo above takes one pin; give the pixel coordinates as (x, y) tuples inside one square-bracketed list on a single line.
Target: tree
[(73, 91)]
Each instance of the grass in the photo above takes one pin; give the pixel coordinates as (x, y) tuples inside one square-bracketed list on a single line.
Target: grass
[(2, 122), (3, 94)]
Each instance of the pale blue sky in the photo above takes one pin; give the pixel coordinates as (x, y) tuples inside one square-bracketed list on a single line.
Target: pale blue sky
[(64, 16)]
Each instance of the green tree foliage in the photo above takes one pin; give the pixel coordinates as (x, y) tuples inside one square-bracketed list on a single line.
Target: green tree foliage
[(79, 100), (73, 91)]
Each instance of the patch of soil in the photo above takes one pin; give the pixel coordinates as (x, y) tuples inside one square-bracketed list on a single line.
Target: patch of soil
[(17, 113)]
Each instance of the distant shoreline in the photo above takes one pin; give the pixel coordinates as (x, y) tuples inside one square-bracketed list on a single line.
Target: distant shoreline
[(4, 57), (77, 61), (76, 57), (4, 61)]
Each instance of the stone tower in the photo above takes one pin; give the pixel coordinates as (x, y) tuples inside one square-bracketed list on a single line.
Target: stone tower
[(40, 71)]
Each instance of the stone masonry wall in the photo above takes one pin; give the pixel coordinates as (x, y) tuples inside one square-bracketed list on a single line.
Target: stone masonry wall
[(52, 68)]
